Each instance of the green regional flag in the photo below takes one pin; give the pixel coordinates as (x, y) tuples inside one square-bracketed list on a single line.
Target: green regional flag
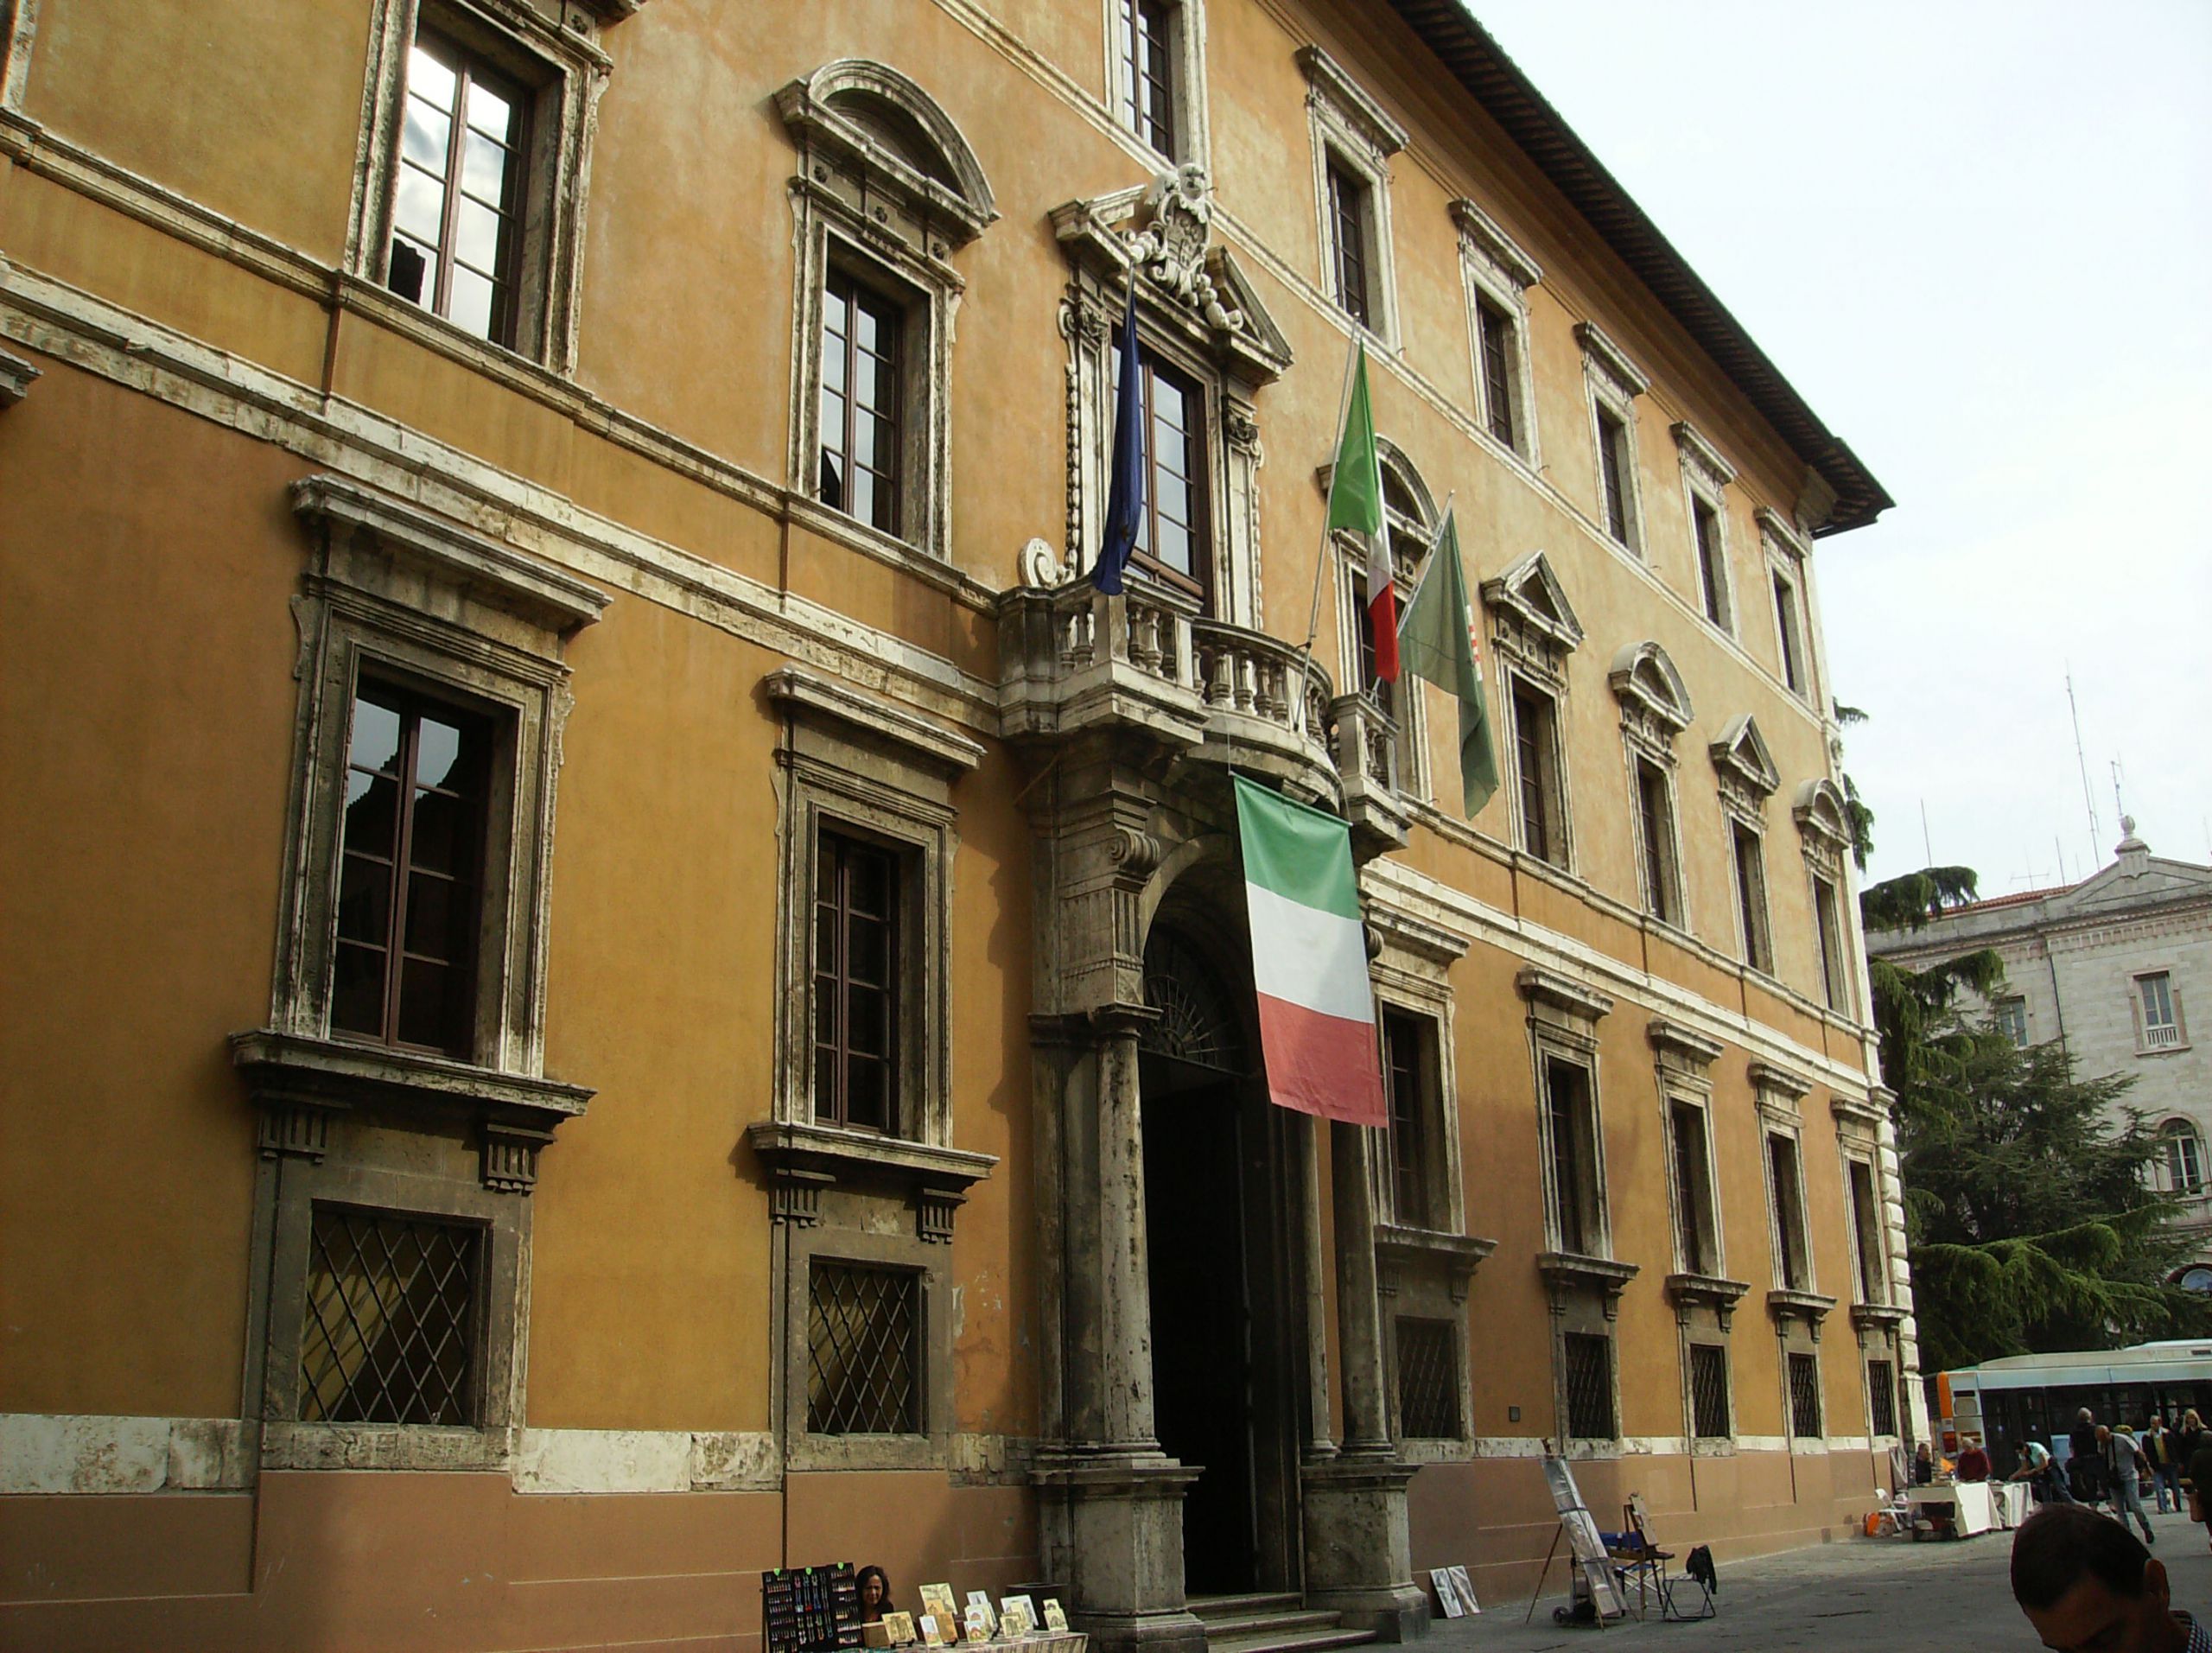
[(1438, 641), (1355, 485)]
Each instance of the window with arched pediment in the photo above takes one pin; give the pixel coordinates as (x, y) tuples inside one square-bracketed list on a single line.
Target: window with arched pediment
[(1409, 522), (888, 191), (1654, 708)]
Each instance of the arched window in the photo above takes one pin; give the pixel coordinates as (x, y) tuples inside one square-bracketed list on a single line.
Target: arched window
[(1409, 520), (2182, 1157)]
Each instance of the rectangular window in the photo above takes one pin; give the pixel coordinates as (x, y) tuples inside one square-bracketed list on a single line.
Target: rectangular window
[(861, 401), (1866, 1225), (1428, 1380), (392, 1327), (411, 904), (1805, 1397), (1349, 211), (2184, 1157), (1694, 1219), (1827, 919), (2161, 1026), (1792, 640), (1572, 1124), (1409, 1056), (458, 204), (1655, 807), (1789, 1213), (1171, 541), (1589, 1360), (1147, 76), (2011, 1018), (1535, 753), (1709, 1390), (855, 983), (1376, 688), (1882, 1397), (1613, 461), (863, 1337), (1750, 898), (1496, 339), (1711, 562)]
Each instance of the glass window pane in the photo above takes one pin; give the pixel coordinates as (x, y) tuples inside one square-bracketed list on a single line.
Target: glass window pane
[(484, 170), (489, 112), (432, 1004), (862, 502), (440, 844), (372, 820), (866, 1093), (430, 79), (420, 209), (357, 990), (375, 735), (1174, 547), (476, 236), (434, 916), (1175, 498), (365, 901), (424, 138), (470, 306), (437, 744), (864, 1019), (871, 951)]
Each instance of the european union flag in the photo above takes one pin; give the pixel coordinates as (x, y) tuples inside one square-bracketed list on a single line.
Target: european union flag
[(1125, 496)]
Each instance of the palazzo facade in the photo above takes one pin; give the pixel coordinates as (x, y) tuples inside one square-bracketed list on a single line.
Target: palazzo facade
[(619, 974)]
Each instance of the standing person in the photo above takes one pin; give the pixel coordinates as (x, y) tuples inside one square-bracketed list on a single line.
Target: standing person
[(2166, 1472), (2084, 1583), (1923, 1466), (2128, 1467), (2198, 1472), (2040, 1471), (2085, 1464), (2192, 1436)]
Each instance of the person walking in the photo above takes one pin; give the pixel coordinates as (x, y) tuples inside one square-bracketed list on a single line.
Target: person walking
[(2085, 1464), (2191, 1431), (2129, 1468), (2159, 1443)]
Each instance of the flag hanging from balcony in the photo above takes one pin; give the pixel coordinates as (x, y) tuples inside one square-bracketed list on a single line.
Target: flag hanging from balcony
[(1309, 959), (1125, 492), (1356, 503), (1438, 641)]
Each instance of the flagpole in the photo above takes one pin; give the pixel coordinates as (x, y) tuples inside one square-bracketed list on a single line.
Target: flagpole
[(1322, 554)]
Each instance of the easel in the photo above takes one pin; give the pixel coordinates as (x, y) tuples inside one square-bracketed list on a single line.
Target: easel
[(1577, 1527)]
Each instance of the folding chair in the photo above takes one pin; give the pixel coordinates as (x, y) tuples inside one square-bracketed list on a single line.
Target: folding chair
[(1650, 1567)]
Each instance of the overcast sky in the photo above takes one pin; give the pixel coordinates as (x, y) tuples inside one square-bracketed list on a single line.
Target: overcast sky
[(1978, 239)]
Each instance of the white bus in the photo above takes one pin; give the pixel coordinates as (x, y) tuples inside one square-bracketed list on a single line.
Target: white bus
[(2036, 1397)]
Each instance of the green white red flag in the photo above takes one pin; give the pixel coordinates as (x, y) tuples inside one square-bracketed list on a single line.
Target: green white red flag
[(1309, 959)]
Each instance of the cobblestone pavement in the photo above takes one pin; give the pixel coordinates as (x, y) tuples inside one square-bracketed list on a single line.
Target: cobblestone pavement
[(1885, 1595)]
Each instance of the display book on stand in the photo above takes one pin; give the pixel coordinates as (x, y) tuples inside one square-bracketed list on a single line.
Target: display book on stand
[(818, 1610), (1597, 1566)]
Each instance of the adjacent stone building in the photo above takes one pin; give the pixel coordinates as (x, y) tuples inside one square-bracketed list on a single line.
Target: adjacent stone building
[(2110, 966), (618, 975)]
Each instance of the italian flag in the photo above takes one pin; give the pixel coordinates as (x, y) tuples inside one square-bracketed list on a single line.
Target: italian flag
[(1309, 959), (1356, 503)]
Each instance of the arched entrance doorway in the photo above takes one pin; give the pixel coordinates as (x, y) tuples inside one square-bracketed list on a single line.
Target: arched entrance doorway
[(1217, 1222)]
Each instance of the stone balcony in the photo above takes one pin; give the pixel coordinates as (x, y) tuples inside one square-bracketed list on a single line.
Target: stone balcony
[(1074, 663)]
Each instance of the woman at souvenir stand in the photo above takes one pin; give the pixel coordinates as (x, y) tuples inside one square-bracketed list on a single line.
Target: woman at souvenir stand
[(875, 1594)]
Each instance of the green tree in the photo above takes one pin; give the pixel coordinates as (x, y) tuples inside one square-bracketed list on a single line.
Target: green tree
[(2033, 1220)]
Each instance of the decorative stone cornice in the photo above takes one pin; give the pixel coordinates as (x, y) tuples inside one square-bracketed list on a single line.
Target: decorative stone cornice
[(15, 377), (1530, 616), (1823, 823), (805, 1160), (1746, 769), (1351, 100), (1482, 234), (1561, 993), (610, 11), (1429, 942), (1402, 1249), (1608, 358), (818, 111), (1702, 457), (1779, 1083), (1715, 1292), (915, 738), (1655, 701), (1809, 1306), (1877, 1317), (1567, 1272), (532, 590), (1783, 532), (1864, 1114), (1678, 1044)]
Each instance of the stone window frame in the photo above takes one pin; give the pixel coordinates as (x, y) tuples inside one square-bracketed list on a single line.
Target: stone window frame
[(1654, 708), (567, 69), (1613, 384), (343, 1120), (1533, 631), (1701, 1445), (1493, 267), (1865, 1136), (2008, 1014), (1707, 476), (1792, 1350), (1348, 127), (1783, 1237), (1198, 313), (16, 376), (2139, 1013), (1824, 839), (1745, 778), (1798, 1311), (800, 1245), (2180, 1129), (861, 204), (1187, 59), (1789, 563), (1704, 1300), (18, 34), (1408, 714)]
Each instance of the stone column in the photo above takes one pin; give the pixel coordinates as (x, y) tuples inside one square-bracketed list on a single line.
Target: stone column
[(1358, 1538)]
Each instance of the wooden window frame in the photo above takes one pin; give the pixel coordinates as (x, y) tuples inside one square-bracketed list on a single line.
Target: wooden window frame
[(1828, 941), (1697, 1214), (1793, 1251), (1495, 346), (836, 850), (1712, 560), (1410, 1071), (1790, 634), (1862, 1188), (1574, 1165), (860, 297), (1196, 481), (1147, 33), (1547, 787), (1352, 215), (1615, 460), (1657, 854), (1748, 856)]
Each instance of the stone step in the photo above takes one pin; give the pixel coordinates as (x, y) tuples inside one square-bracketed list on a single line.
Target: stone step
[(1312, 1641), (1246, 1626), (1256, 1602)]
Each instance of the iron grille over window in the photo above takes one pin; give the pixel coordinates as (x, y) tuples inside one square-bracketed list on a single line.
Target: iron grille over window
[(1589, 1385), (1805, 1396), (863, 1350), (1882, 1395), (409, 903), (1709, 1389), (391, 1328), (1428, 1380)]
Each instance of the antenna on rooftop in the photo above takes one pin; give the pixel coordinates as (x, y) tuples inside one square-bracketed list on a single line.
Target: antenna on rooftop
[(1926, 845), (2088, 798), (2118, 801), (2059, 844)]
